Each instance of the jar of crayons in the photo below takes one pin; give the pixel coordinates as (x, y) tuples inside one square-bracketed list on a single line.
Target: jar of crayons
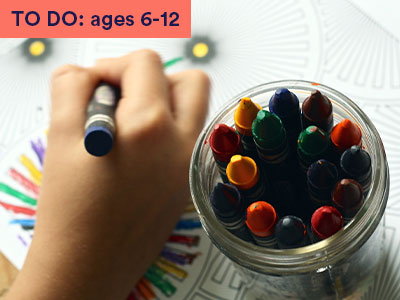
[(290, 181)]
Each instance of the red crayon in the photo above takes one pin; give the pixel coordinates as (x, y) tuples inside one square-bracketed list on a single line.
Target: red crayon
[(261, 220), (344, 135), (224, 143), (326, 221), (348, 197)]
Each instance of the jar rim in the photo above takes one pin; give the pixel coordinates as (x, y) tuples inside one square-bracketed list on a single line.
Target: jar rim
[(313, 256)]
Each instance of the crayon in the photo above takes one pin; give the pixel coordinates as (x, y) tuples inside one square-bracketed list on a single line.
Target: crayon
[(229, 208), (344, 135), (313, 144), (290, 232), (325, 222), (243, 116), (145, 288), (188, 224), (20, 196), (271, 142), (261, 220), (224, 143), (285, 105), (348, 197), (322, 176), (243, 173), (100, 123), (355, 163), (317, 110)]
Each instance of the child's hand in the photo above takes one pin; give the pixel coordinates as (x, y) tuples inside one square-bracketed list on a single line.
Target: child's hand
[(102, 221)]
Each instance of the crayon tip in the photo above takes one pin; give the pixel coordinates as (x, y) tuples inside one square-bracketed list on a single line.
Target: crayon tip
[(261, 218), (326, 221), (355, 162), (347, 194), (225, 199), (317, 107), (290, 230), (98, 140), (345, 134), (224, 142), (284, 103), (268, 131), (312, 141), (322, 174), (244, 115), (242, 172)]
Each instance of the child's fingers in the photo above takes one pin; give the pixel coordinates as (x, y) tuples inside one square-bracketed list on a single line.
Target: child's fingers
[(190, 93), (71, 90), (142, 80)]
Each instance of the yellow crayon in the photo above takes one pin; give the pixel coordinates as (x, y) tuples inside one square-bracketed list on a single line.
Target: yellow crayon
[(170, 268)]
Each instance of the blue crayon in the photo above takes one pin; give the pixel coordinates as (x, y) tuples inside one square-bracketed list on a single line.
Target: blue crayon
[(290, 232), (100, 123), (229, 209), (188, 224), (355, 163), (285, 105), (322, 176)]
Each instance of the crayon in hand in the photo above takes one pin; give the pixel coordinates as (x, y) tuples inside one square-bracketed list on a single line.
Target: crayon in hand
[(261, 220), (317, 110), (325, 222), (244, 115), (242, 172), (321, 178), (348, 197), (224, 143), (285, 105), (355, 163), (229, 209), (290, 232), (100, 123)]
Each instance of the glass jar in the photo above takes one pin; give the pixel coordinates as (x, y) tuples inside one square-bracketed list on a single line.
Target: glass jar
[(339, 267)]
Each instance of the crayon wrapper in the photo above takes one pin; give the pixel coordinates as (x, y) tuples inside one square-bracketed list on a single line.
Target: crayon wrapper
[(101, 108)]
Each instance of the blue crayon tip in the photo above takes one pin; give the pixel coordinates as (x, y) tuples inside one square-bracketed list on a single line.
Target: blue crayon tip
[(98, 140), (225, 199), (284, 103)]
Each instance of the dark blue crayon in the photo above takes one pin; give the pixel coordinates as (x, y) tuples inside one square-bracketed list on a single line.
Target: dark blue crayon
[(100, 123), (285, 105), (355, 163), (229, 209), (188, 224), (322, 176), (290, 232)]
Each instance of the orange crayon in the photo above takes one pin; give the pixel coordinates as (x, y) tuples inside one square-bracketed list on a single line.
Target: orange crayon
[(242, 172), (344, 135), (244, 115), (261, 220)]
